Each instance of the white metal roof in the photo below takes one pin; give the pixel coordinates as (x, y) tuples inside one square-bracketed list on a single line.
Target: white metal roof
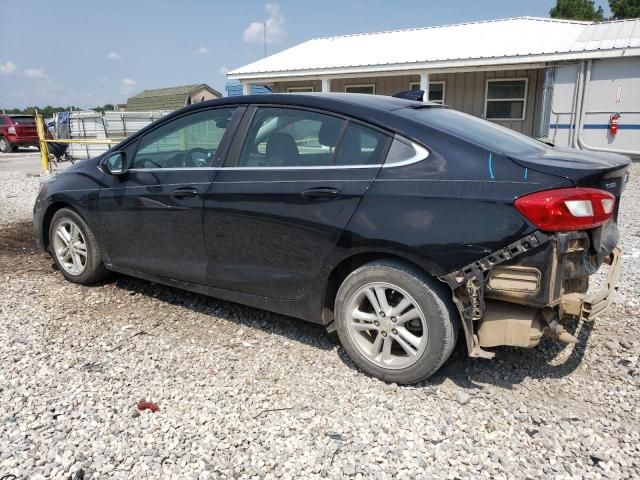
[(506, 41)]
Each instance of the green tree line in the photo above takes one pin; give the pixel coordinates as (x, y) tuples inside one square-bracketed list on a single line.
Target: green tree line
[(587, 10), (49, 110)]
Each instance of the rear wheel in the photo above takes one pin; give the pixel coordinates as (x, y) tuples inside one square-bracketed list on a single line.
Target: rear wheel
[(395, 322), (75, 248), (5, 146)]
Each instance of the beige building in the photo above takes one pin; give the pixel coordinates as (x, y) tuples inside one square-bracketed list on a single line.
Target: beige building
[(171, 98), (501, 70)]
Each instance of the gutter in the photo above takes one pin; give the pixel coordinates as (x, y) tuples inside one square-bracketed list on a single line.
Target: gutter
[(417, 67)]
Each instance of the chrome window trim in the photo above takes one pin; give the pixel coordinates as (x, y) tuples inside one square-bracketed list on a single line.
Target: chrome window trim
[(421, 153)]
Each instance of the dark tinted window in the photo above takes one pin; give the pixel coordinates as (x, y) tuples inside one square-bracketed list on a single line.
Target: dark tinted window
[(285, 137), (187, 142), (506, 99), (370, 89), (23, 120), (361, 146), (481, 132), (436, 91)]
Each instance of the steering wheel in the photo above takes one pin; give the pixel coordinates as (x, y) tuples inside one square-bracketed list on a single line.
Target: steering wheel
[(202, 158)]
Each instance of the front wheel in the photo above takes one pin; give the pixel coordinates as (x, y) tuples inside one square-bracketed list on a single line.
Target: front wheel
[(395, 322), (75, 248)]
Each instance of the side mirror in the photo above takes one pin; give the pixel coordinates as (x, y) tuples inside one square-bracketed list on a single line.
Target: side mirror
[(115, 163)]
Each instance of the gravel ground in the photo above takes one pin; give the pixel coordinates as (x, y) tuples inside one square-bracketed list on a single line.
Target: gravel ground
[(18, 191), (248, 394)]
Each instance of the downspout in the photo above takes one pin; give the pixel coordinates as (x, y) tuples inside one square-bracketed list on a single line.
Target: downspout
[(585, 96), (574, 101), (577, 107)]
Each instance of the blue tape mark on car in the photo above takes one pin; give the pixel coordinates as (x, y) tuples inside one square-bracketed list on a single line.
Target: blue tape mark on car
[(526, 173), (491, 166)]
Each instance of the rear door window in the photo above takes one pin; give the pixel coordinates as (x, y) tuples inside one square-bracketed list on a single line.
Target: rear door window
[(23, 120), (286, 138), (361, 146)]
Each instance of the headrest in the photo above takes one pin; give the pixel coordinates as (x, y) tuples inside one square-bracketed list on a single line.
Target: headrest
[(329, 131)]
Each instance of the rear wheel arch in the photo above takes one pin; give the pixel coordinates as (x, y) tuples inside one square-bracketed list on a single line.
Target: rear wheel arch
[(349, 264)]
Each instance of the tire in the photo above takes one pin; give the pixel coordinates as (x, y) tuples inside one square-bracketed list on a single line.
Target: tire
[(78, 267), (5, 146), (429, 336)]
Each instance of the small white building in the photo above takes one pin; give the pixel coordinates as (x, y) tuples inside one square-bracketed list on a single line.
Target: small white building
[(556, 79)]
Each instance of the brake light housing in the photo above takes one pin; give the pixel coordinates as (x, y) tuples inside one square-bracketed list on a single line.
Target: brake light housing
[(566, 209)]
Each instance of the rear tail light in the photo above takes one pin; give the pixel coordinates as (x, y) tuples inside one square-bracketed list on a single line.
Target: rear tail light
[(12, 130), (566, 209)]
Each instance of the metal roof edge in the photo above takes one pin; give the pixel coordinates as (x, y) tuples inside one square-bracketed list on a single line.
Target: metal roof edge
[(440, 65), (431, 27)]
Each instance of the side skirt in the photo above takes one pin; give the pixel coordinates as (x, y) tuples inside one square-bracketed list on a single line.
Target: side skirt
[(292, 308)]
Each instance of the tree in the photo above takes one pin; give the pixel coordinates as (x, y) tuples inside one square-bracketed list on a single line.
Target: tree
[(107, 107), (46, 111), (625, 8), (577, 10)]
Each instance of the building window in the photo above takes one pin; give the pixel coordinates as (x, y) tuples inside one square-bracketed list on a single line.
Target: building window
[(299, 89), (370, 89), (505, 99), (436, 91)]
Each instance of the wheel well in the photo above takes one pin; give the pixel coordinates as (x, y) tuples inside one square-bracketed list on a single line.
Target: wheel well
[(344, 268), (46, 221)]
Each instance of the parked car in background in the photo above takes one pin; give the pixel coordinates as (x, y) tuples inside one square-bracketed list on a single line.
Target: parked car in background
[(17, 131), (397, 223)]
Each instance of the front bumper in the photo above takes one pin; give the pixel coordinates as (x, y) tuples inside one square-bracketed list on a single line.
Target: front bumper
[(589, 307)]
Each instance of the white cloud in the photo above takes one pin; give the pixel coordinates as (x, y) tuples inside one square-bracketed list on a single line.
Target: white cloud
[(114, 56), (223, 71), (275, 27), (35, 73), (127, 85), (201, 51), (7, 68)]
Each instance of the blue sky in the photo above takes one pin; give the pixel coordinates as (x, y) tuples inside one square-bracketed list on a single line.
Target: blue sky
[(89, 53)]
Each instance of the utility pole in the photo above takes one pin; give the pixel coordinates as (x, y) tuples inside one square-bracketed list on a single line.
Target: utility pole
[(264, 30)]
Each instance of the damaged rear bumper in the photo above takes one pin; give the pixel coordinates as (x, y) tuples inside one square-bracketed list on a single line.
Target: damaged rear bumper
[(525, 290), (588, 307)]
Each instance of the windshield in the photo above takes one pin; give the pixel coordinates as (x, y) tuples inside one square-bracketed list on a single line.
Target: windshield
[(23, 120), (476, 130)]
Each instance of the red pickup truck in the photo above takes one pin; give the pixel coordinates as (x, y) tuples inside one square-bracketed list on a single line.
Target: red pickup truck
[(17, 131)]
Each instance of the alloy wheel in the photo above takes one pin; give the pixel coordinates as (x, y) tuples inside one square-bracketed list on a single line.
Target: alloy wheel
[(4, 145), (387, 325), (70, 247)]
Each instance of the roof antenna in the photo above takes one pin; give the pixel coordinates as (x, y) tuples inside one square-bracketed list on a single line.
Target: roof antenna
[(264, 30)]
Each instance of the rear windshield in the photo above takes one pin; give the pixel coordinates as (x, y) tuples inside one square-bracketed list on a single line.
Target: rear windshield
[(481, 132), (23, 120)]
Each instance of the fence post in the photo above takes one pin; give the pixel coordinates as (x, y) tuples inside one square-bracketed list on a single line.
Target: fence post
[(44, 151)]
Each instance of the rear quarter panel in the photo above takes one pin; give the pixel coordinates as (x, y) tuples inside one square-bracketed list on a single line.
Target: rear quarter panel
[(448, 210)]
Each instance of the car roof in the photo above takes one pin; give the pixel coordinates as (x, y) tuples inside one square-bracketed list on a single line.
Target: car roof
[(330, 101), (378, 110)]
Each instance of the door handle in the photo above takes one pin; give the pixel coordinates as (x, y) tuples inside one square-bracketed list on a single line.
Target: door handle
[(184, 193), (322, 192)]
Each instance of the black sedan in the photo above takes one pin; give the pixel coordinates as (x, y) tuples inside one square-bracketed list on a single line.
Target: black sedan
[(399, 224)]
